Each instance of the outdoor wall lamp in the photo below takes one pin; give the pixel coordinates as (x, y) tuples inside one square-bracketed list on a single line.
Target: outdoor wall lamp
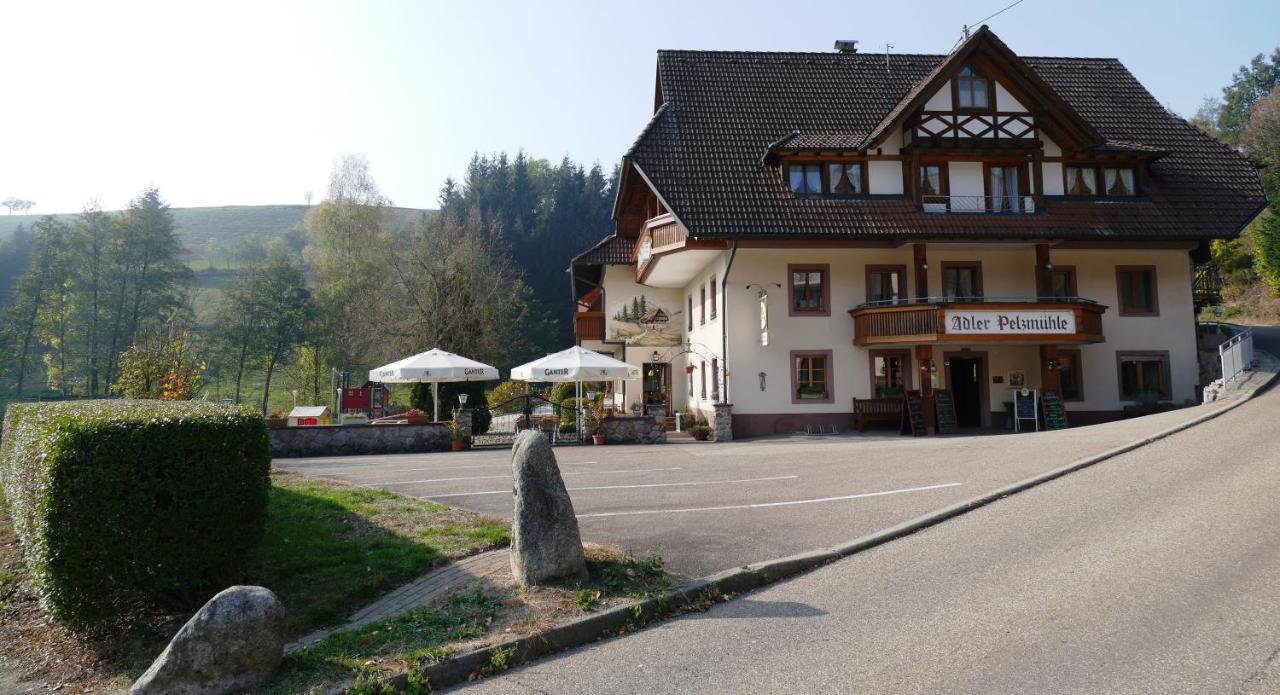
[(1048, 265), (591, 395), (1053, 365), (924, 265), (762, 375), (462, 399), (929, 367), (654, 357)]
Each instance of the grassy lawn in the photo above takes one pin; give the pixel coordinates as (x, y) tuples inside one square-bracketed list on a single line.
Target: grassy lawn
[(328, 550), (483, 617)]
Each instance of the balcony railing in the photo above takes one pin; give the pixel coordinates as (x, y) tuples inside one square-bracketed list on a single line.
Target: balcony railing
[(978, 320), (979, 204), (588, 325)]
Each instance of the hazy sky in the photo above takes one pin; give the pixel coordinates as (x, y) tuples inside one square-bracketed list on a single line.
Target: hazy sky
[(222, 103)]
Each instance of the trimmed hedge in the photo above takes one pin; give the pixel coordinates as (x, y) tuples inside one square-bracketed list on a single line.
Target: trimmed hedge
[(123, 506)]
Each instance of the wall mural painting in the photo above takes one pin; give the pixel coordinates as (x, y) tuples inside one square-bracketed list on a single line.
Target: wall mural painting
[(643, 323)]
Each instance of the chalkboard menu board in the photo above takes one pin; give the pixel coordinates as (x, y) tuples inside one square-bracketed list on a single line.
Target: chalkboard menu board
[(1024, 408), (1055, 413), (913, 414), (946, 408)]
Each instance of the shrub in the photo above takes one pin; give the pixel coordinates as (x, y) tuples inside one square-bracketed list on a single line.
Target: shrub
[(133, 505), (701, 433), (420, 396)]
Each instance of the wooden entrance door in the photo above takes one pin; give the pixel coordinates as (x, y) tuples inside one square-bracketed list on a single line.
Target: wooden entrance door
[(964, 378)]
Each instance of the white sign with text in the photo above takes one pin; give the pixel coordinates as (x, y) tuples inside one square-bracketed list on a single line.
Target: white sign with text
[(1010, 322)]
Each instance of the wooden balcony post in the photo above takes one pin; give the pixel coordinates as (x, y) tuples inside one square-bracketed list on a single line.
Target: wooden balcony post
[(924, 358), (1043, 274), (1050, 379), (921, 269)]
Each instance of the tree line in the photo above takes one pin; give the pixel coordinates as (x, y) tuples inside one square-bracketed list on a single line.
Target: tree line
[(103, 304)]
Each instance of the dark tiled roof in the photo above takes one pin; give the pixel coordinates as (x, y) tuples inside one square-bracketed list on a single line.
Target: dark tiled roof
[(610, 250), (724, 110)]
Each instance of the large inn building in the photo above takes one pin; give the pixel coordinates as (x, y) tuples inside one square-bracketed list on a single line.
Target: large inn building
[(800, 231)]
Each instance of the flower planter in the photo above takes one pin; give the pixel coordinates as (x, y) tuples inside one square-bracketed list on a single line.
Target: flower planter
[(597, 439), (457, 446), (277, 423), (417, 419)]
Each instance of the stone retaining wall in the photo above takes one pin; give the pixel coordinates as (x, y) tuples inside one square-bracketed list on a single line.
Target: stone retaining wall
[(642, 429), (359, 439)]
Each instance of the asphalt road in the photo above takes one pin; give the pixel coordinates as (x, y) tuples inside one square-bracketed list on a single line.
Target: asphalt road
[(1154, 572), (708, 507)]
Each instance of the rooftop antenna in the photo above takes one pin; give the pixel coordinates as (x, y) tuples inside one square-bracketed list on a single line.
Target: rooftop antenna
[(966, 31), (887, 47)]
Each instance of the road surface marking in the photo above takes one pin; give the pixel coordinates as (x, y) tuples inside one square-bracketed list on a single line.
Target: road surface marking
[(620, 487), (444, 467), (760, 505), (492, 477)]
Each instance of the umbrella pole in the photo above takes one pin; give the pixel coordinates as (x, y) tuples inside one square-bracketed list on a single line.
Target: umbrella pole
[(578, 414), (435, 400)]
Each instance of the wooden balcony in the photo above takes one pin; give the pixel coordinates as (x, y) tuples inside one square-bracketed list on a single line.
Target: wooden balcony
[(994, 320), (588, 325)]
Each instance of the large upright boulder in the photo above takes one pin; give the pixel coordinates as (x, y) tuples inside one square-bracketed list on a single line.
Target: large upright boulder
[(229, 646), (545, 545)]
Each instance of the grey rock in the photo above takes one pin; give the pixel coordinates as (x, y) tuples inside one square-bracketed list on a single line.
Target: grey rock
[(229, 646), (545, 544)]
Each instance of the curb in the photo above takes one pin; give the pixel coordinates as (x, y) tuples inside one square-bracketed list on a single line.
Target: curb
[(701, 593)]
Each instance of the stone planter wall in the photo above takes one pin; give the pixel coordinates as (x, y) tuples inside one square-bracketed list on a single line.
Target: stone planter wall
[(723, 422), (361, 439), (633, 429)]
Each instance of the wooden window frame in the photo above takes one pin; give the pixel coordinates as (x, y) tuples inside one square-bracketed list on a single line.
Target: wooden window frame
[(703, 374), (712, 284), (901, 269), (1071, 279), (827, 380), (715, 376), (1024, 181), (1079, 357), (1100, 179), (978, 74), (1155, 290), (977, 278), (944, 180), (904, 353), (822, 177), (690, 321), (825, 269), (824, 173), (1166, 373), (702, 305)]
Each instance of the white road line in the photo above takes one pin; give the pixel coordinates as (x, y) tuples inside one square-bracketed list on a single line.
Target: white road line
[(446, 467), (494, 477), (618, 487), (761, 505)]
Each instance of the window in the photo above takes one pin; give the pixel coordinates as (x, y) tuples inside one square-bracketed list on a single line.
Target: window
[(1070, 377), (1062, 282), (811, 376), (932, 180), (805, 179), (1136, 285), (844, 179), (1082, 181), (1113, 182), (810, 293), (689, 372), (713, 296), (1144, 376), (1118, 181), (702, 305), (886, 283), (703, 373), (715, 377), (690, 323), (962, 280), (972, 89), (890, 373), (1005, 186)]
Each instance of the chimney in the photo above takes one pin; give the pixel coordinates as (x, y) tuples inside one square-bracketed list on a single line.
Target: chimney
[(847, 45)]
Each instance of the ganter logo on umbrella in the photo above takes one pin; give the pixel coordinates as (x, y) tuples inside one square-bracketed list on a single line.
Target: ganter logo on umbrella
[(470, 371), (555, 372)]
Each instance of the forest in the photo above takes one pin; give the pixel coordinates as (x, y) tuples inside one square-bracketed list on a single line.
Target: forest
[(102, 303)]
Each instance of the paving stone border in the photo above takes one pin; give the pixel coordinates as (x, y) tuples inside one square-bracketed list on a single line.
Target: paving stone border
[(699, 594)]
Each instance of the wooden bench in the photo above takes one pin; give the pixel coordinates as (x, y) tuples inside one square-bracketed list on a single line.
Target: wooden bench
[(876, 410)]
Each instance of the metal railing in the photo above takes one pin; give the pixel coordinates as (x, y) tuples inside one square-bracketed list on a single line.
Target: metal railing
[(943, 300), (979, 204), (1236, 355)]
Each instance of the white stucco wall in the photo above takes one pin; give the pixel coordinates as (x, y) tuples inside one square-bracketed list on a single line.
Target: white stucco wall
[(885, 178), (705, 338)]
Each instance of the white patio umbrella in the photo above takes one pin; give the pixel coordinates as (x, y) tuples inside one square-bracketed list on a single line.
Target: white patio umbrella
[(433, 367), (577, 365)]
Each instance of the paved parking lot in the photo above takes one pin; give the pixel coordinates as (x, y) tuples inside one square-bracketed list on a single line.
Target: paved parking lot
[(707, 507)]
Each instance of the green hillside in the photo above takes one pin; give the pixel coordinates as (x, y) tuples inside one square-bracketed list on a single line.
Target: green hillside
[(212, 234)]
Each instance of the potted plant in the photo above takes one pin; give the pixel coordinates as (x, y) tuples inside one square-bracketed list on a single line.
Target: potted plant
[(593, 421), (810, 392), (276, 420), (413, 416), (457, 435), (635, 407)]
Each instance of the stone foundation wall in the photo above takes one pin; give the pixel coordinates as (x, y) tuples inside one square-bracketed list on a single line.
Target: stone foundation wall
[(722, 421), (643, 429), (359, 439)]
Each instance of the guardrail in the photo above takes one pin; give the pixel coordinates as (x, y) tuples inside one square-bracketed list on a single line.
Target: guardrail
[(1236, 355), (979, 204)]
